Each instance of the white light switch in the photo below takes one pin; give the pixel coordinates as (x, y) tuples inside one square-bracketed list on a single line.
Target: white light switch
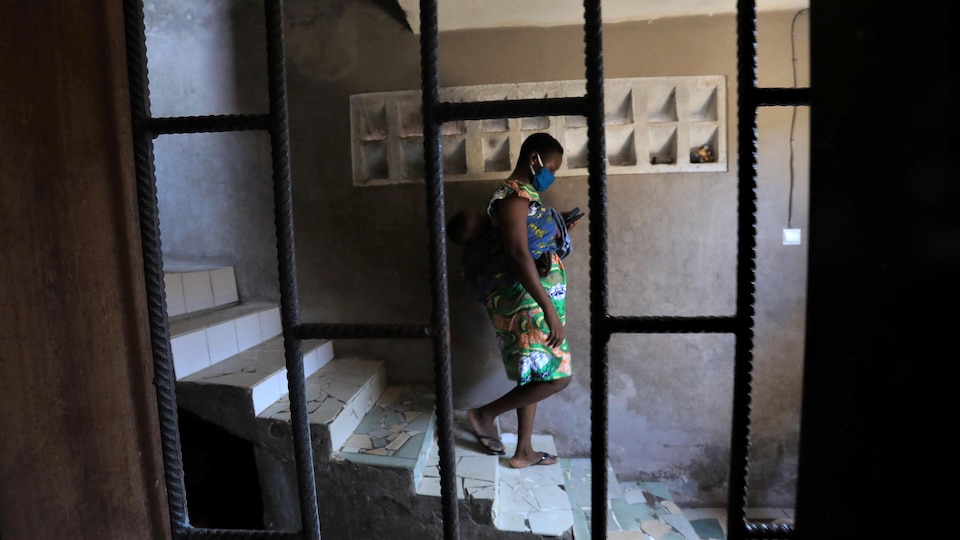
[(791, 237)]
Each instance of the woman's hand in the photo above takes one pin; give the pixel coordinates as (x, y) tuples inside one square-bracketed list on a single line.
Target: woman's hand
[(557, 331), (573, 223)]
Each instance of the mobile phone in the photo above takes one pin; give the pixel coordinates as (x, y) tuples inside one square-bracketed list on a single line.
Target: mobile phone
[(572, 216)]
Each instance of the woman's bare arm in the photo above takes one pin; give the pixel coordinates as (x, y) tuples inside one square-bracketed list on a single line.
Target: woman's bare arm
[(512, 214)]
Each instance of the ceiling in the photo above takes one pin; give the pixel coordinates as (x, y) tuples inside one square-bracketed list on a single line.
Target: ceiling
[(473, 14)]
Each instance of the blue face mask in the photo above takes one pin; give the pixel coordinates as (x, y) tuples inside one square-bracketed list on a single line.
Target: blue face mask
[(543, 178)]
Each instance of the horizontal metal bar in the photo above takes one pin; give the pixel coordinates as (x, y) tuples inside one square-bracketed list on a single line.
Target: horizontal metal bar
[(362, 331), (237, 534), (774, 97), (208, 124), (770, 531), (511, 108), (671, 325)]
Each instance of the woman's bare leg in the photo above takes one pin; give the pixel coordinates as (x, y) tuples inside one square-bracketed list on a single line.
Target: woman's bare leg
[(524, 399)]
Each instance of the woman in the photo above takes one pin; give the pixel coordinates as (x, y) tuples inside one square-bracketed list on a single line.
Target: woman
[(528, 312)]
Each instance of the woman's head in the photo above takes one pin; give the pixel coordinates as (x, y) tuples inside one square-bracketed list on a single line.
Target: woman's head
[(540, 157)]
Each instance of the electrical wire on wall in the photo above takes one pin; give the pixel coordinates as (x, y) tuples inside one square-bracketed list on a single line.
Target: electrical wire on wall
[(793, 121)]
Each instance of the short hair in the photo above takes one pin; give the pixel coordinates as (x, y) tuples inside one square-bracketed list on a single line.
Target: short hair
[(540, 143)]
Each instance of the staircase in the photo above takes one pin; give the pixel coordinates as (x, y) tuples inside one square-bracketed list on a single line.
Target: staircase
[(375, 450)]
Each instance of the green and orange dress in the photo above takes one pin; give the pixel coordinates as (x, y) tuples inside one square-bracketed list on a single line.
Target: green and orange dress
[(518, 320)]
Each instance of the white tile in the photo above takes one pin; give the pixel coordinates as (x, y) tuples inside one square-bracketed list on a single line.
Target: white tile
[(627, 535), (430, 486), (222, 341), (270, 324), (359, 440), (399, 441), (173, 286), (550, 522), (316, 359), (266, 393), (248, 331), (512, 522), (478, 467), (190, 353), (224, 283), (480, 490), (672, 507), (552, 498), (681, 524), (197, 291), (542, 475), (520, 501), (324, 354), (342, 427), (655, 528)]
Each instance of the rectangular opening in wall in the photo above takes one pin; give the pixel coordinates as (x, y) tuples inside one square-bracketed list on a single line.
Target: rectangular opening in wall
[(663, 145), (703, 143), (413, 165), (496, 153), (620, 147), (575, 148), (374, 157), (411, 121), (496, 125), (619, 107), (454, 154), (575, 121), (662, 104), (703, 103), (535, 123), (457, 127), (373, 121)]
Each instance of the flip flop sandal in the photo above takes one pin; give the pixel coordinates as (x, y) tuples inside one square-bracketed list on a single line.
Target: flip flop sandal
[(544, 456), (483, 440)]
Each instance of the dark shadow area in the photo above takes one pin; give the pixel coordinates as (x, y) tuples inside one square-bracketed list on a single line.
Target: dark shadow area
[(220, 473)]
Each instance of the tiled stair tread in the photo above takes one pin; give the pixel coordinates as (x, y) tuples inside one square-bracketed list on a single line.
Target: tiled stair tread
[(640, 510), (253, 366), (330, 389), (190, 323), (477, 472), (396, 431), (533, 499), (181, 266)]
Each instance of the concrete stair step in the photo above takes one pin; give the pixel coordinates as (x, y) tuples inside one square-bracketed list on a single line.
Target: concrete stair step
[(398, 431), (201, 340), (533, 499), (232, 392), (339, 395), (194, 288), (530, 500), (477, 472), (635, 510)]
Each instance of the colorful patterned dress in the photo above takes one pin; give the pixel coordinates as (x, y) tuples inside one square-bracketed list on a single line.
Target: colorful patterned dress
[(518, 320)]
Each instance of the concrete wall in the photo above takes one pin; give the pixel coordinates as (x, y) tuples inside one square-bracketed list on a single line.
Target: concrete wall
[(362, 252)]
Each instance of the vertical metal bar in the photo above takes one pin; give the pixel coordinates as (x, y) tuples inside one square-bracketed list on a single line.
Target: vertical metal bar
[(440, 312), (289, 295), (163, 367), (597, 203), (746, 264)]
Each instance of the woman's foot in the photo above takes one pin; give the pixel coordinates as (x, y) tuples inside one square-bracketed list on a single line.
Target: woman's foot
[(485, 432), (538, 458)]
